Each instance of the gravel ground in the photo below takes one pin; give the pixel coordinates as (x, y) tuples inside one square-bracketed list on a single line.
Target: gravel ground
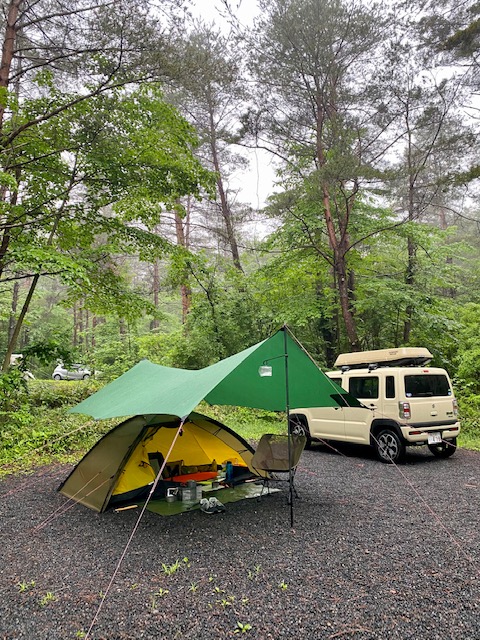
[(377, 552)]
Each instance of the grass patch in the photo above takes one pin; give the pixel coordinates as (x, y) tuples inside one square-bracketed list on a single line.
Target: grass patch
[(249, 423), (469, 409)]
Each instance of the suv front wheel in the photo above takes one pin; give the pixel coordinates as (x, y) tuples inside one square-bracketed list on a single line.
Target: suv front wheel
[(389, 447), (299, 427)]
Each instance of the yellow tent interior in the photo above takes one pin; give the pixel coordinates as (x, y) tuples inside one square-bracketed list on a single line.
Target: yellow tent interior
[(122, 466)]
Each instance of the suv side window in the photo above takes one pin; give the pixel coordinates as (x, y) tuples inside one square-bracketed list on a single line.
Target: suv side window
[(365, 387), (389, 387), (337, 381)]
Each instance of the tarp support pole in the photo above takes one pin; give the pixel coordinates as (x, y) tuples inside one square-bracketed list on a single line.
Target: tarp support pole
[(289, 433)]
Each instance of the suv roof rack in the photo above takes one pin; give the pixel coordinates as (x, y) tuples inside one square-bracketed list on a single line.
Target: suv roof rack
[(400, 357)]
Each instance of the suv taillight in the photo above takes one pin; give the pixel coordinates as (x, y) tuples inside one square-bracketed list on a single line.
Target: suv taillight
[(404, 410), (455, 407)]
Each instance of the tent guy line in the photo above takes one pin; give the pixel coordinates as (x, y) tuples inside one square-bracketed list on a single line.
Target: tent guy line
[(71, 502), (137, 524)]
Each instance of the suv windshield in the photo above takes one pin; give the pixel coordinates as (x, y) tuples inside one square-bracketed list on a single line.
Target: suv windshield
[(422, 386)]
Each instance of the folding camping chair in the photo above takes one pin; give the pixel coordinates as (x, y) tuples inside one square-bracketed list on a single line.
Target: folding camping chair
[(271, 457)]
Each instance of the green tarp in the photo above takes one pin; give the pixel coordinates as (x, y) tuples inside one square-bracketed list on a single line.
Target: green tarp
[(148, 388)]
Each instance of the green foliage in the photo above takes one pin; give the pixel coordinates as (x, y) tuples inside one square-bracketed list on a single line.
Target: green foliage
[(249, 423), (44, 351), (53, 394), (115, 357), (468, 358), (13, 391), (129, 151), (36, 435), (469, 409)]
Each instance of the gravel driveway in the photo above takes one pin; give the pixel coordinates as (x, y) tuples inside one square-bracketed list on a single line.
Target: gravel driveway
[(377, 552)]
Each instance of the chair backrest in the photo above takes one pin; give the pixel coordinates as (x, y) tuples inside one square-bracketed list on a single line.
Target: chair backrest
[(272, 452)]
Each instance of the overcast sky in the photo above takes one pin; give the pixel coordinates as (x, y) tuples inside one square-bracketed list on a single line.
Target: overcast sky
[(244, 10), (256, 183)]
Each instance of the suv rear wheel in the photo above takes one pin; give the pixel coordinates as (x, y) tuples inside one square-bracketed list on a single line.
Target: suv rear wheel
[(445, 449), (390, 449)]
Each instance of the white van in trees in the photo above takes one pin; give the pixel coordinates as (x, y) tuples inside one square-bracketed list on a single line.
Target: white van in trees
[(406, 403)]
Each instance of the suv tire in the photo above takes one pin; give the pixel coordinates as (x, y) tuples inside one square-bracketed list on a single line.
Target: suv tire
[(299, 427), (389, 447), (445, 449)]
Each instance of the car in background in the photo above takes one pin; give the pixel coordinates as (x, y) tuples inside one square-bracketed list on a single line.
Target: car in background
[(74, 372)]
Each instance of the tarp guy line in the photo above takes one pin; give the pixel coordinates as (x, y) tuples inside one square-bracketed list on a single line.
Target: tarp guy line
[(429, 508), (410, 485), (137, 524)]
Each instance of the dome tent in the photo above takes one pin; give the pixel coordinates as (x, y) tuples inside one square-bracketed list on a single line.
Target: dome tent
[(121, 467)]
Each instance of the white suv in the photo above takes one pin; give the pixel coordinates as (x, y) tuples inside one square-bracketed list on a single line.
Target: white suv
[(405, 403)]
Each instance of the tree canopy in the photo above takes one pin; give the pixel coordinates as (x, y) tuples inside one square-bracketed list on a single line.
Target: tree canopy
[(122, 129)]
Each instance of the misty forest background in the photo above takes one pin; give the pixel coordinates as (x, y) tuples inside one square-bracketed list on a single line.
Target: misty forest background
[(124, 128)]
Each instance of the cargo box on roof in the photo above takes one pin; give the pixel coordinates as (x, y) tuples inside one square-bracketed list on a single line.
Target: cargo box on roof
[(399, 357)]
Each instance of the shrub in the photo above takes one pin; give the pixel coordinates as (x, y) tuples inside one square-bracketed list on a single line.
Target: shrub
[(54, 394)]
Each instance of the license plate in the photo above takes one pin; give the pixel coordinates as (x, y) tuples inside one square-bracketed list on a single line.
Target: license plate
[(434, 438)]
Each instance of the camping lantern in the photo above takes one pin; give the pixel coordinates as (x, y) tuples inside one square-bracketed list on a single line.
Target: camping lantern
[(265, 371)]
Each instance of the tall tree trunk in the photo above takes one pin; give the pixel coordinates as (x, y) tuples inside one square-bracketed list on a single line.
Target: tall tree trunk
[(409, 281), (13, 310), (224, 204), (339, 240), (75, 325), (7, 224), (87, 329), (18, 325), (156, 289), (450, 292), (8, 49), (95, 321), (80, 327), (341, 283), (342, 279), (411, 246), (182, 229)]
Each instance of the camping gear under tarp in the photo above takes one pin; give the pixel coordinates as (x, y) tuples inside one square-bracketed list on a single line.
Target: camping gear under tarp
[(121, 468), (149, 388), (226, 495)]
